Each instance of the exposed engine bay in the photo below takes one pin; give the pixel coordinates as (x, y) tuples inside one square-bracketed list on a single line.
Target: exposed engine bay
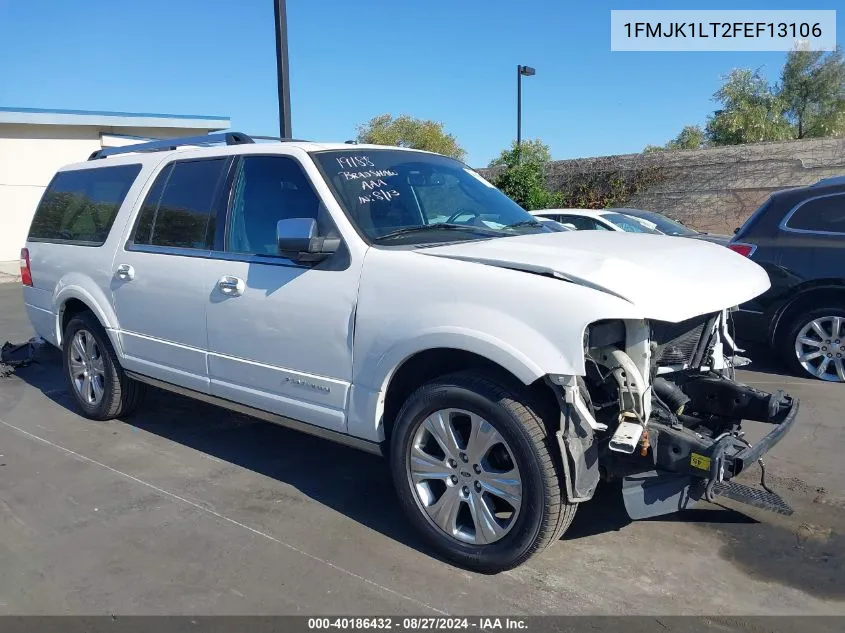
[(659, 408)]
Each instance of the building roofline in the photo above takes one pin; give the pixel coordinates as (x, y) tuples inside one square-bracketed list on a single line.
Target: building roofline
[(41, 116)]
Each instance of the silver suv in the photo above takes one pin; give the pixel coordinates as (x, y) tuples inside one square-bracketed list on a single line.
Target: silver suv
[(395, 301)]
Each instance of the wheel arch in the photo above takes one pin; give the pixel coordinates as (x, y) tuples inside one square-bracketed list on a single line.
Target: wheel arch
[(425, 365), (73, 298), (819, 293)]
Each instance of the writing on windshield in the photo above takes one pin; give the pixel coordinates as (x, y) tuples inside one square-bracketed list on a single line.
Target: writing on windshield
[(391, 191)]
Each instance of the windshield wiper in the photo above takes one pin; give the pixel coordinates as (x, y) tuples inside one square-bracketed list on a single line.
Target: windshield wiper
[(517, 225), (423, 228)]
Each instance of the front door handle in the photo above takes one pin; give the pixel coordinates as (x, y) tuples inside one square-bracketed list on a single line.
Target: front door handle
[(125, 272), (231, 286)]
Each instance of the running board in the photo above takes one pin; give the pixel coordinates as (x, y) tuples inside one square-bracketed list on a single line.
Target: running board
[(657, 493), (296, 425), (756, 497)]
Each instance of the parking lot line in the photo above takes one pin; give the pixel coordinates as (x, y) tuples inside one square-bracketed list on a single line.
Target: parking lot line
[(220, 516)]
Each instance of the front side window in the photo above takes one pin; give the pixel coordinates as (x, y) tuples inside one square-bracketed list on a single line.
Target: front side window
[(80, 206), (178, 210), (820, 215), (408, 197), (268, 189)]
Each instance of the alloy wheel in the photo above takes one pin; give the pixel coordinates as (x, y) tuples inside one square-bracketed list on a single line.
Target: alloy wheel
[(464, 476), (87, 371), (820, 348)]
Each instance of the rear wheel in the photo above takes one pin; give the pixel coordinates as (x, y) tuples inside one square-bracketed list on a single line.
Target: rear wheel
[(475, 473), (93, 373), (815, 345)]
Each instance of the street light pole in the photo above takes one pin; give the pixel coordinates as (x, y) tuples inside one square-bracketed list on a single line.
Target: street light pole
[(282, 72), (528, 72)]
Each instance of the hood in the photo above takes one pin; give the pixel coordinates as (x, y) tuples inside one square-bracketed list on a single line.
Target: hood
[(667, 278)]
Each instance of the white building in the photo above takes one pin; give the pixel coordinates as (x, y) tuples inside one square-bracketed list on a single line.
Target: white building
[(34, 143)]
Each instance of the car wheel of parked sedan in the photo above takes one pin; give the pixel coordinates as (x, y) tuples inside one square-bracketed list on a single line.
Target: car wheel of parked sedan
[(474, 467), (816, 344), (94, 375)]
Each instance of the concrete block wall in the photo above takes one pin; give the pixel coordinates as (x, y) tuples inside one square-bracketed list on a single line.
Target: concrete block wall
[(716, 189)]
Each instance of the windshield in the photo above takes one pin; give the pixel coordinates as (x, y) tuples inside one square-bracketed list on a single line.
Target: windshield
[(405, 197), (663, 224), (630, 224)]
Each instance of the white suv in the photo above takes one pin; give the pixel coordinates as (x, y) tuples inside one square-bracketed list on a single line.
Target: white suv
[(394, 300)]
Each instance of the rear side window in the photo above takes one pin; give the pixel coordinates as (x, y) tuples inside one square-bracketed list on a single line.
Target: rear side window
[(583, 223), (819, 215), (79, 206), (178, 210)]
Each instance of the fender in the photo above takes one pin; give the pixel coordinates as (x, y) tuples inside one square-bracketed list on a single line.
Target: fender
[(529, 324), (366, 400), (484, 344), (83, 288)]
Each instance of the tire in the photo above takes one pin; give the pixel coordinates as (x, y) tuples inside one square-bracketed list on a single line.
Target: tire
[(109, 393), (802, 337), (526, 453)]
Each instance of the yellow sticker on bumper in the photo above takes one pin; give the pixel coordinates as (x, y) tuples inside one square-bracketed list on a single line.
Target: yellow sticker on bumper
[(699, 461)]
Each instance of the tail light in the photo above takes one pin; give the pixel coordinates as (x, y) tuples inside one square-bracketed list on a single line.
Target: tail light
[(746, 250), (26, 272)]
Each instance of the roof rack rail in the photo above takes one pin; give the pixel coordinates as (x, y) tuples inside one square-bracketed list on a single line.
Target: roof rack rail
[(163, 145), (279, 138), (834, 180)]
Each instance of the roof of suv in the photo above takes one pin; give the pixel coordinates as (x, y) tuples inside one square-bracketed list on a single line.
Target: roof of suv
[(223, 144), (772, 211)]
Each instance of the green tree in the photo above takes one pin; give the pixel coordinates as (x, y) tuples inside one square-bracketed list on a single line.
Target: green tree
[(813, 90), (406, 131), (524, 181), (751, 111), (691, 137), (525, 184), (532, 151)]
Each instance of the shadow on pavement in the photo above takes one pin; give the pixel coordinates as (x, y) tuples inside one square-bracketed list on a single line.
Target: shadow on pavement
[(352, 482), (764, 360), (349, 481)]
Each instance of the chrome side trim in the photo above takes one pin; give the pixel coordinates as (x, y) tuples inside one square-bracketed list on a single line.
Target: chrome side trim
[(341, 438)]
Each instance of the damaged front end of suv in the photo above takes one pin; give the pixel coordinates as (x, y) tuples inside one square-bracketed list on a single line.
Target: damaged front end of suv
[(659, 408)]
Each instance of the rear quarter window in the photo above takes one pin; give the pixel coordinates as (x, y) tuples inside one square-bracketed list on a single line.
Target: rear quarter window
[(825, 214), (80, 206), (178, 212)]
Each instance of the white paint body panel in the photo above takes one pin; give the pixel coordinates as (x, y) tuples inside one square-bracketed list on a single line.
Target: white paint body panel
[(666, 278), (320, 343), (285, 344), (162, 317)]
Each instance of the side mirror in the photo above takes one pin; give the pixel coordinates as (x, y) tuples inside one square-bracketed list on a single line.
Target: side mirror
[(736, 230), (297, 239)]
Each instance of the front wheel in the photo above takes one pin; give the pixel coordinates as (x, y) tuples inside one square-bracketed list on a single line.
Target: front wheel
[(475, 472)]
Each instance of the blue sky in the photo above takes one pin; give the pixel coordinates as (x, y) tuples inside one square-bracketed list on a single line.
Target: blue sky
[(449, 60)]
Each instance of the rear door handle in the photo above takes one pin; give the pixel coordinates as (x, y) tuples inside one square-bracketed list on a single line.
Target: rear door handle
[(231, 286), (125, 271)]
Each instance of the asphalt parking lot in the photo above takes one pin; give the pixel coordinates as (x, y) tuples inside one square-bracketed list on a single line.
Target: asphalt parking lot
[(189, 509)]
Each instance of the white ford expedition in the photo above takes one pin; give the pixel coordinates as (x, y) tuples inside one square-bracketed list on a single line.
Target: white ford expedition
[(394, 300)]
